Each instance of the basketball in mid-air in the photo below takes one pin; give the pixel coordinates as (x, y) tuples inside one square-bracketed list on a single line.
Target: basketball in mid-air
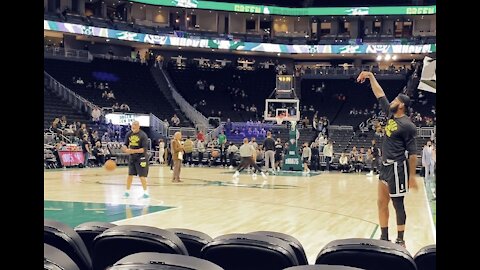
[(110, 165), (215, 153)]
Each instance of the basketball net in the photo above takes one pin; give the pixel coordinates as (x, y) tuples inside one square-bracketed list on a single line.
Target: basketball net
[(280, 118)]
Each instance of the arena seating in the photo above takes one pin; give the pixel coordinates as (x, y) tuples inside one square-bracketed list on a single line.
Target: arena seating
[(54, 106), (257, 85), (132, 83), (144, 247)]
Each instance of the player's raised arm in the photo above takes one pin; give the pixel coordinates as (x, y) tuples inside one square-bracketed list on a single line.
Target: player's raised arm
[(376, 88)]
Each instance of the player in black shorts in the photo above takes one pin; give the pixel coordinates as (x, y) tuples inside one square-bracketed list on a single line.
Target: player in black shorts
[(278, 154), (395, 176), (136, 142)]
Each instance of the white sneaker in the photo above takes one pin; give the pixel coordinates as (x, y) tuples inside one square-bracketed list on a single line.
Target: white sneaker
[(230, 167), (370, 173), (278, 169), (254, 175), (236, 174), (263, 175), (264, 183)]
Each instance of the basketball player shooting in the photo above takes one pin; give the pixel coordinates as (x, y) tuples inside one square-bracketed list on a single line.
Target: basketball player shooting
[(395, 176)]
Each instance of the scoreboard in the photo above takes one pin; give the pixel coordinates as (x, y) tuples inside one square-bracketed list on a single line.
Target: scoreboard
[(284, 82)]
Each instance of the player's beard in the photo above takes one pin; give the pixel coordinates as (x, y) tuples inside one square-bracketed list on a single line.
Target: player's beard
[(394, 109)]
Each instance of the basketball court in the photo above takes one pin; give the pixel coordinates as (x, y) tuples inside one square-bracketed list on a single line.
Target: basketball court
[(315, 209)]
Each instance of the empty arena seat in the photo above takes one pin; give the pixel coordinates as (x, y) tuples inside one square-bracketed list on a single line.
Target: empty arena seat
[(194, 241), (322, 267), (369, 254), (55, 259), (249, 251), (161, 261), (89, 230), (120, 241), (67, 240), (426, 258), (292, 241)]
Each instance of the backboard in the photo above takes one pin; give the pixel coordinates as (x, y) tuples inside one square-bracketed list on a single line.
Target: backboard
[(286, 107)]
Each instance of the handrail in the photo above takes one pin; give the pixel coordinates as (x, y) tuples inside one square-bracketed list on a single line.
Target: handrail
[(70, 96), (198, 119), (68, 53)]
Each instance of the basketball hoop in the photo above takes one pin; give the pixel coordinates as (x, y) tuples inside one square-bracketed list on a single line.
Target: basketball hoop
[(279, 119)]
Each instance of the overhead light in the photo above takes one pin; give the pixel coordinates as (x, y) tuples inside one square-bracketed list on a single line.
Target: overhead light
[(278, 54), (213, 50), (210, 11), (179, 48), (379, 57), (388, 57), (188, 18), (177, 20), (107, 40), (311, 54), (422, 17), (394, 57)]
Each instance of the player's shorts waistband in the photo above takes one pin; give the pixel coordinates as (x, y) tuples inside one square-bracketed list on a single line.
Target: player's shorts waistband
[(389, 162)]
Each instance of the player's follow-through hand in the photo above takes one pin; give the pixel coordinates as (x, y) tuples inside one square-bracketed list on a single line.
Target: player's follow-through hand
[(363, 76)]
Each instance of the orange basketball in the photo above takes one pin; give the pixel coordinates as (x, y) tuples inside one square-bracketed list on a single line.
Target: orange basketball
[(215, 153), (110, 165)]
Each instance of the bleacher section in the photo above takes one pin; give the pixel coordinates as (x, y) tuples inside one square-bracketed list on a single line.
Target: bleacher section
[(257, 85), (338, 110), (131, 83), (55, 107)]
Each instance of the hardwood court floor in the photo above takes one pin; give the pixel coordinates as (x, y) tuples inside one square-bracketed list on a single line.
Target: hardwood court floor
[(315, 210)]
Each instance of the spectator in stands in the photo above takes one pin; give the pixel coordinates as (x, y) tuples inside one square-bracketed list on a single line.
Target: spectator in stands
[(63, 122), (212, 87), (369, 161), (99, 154), (96, 113), (82, 131), (305, 122), (360, 163), (343, 163), (124, 107), (137, 57), (175, 120), (105, 94), (100, 86), (55, 127), (116, 107), (228, 125), (110, 95), (106, 137), (253, 108), (200, 136), (188, 147), (166, 123), (328, 153), (80, 81)]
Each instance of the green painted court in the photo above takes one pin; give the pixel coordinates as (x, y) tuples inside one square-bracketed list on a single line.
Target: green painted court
[(75, 213)]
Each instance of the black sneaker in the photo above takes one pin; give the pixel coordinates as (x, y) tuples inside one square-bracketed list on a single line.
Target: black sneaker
[(400, 242), (388, 240)]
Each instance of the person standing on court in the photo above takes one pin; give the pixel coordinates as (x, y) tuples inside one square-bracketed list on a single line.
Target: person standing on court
[(247, 154), (177, 156), (427, 160), (269, 146), (328, 153), (188, 147), (135, 145), (396, 178), (222, 144)]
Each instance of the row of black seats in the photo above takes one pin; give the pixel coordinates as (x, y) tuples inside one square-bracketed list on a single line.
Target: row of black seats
[(100, 245)]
